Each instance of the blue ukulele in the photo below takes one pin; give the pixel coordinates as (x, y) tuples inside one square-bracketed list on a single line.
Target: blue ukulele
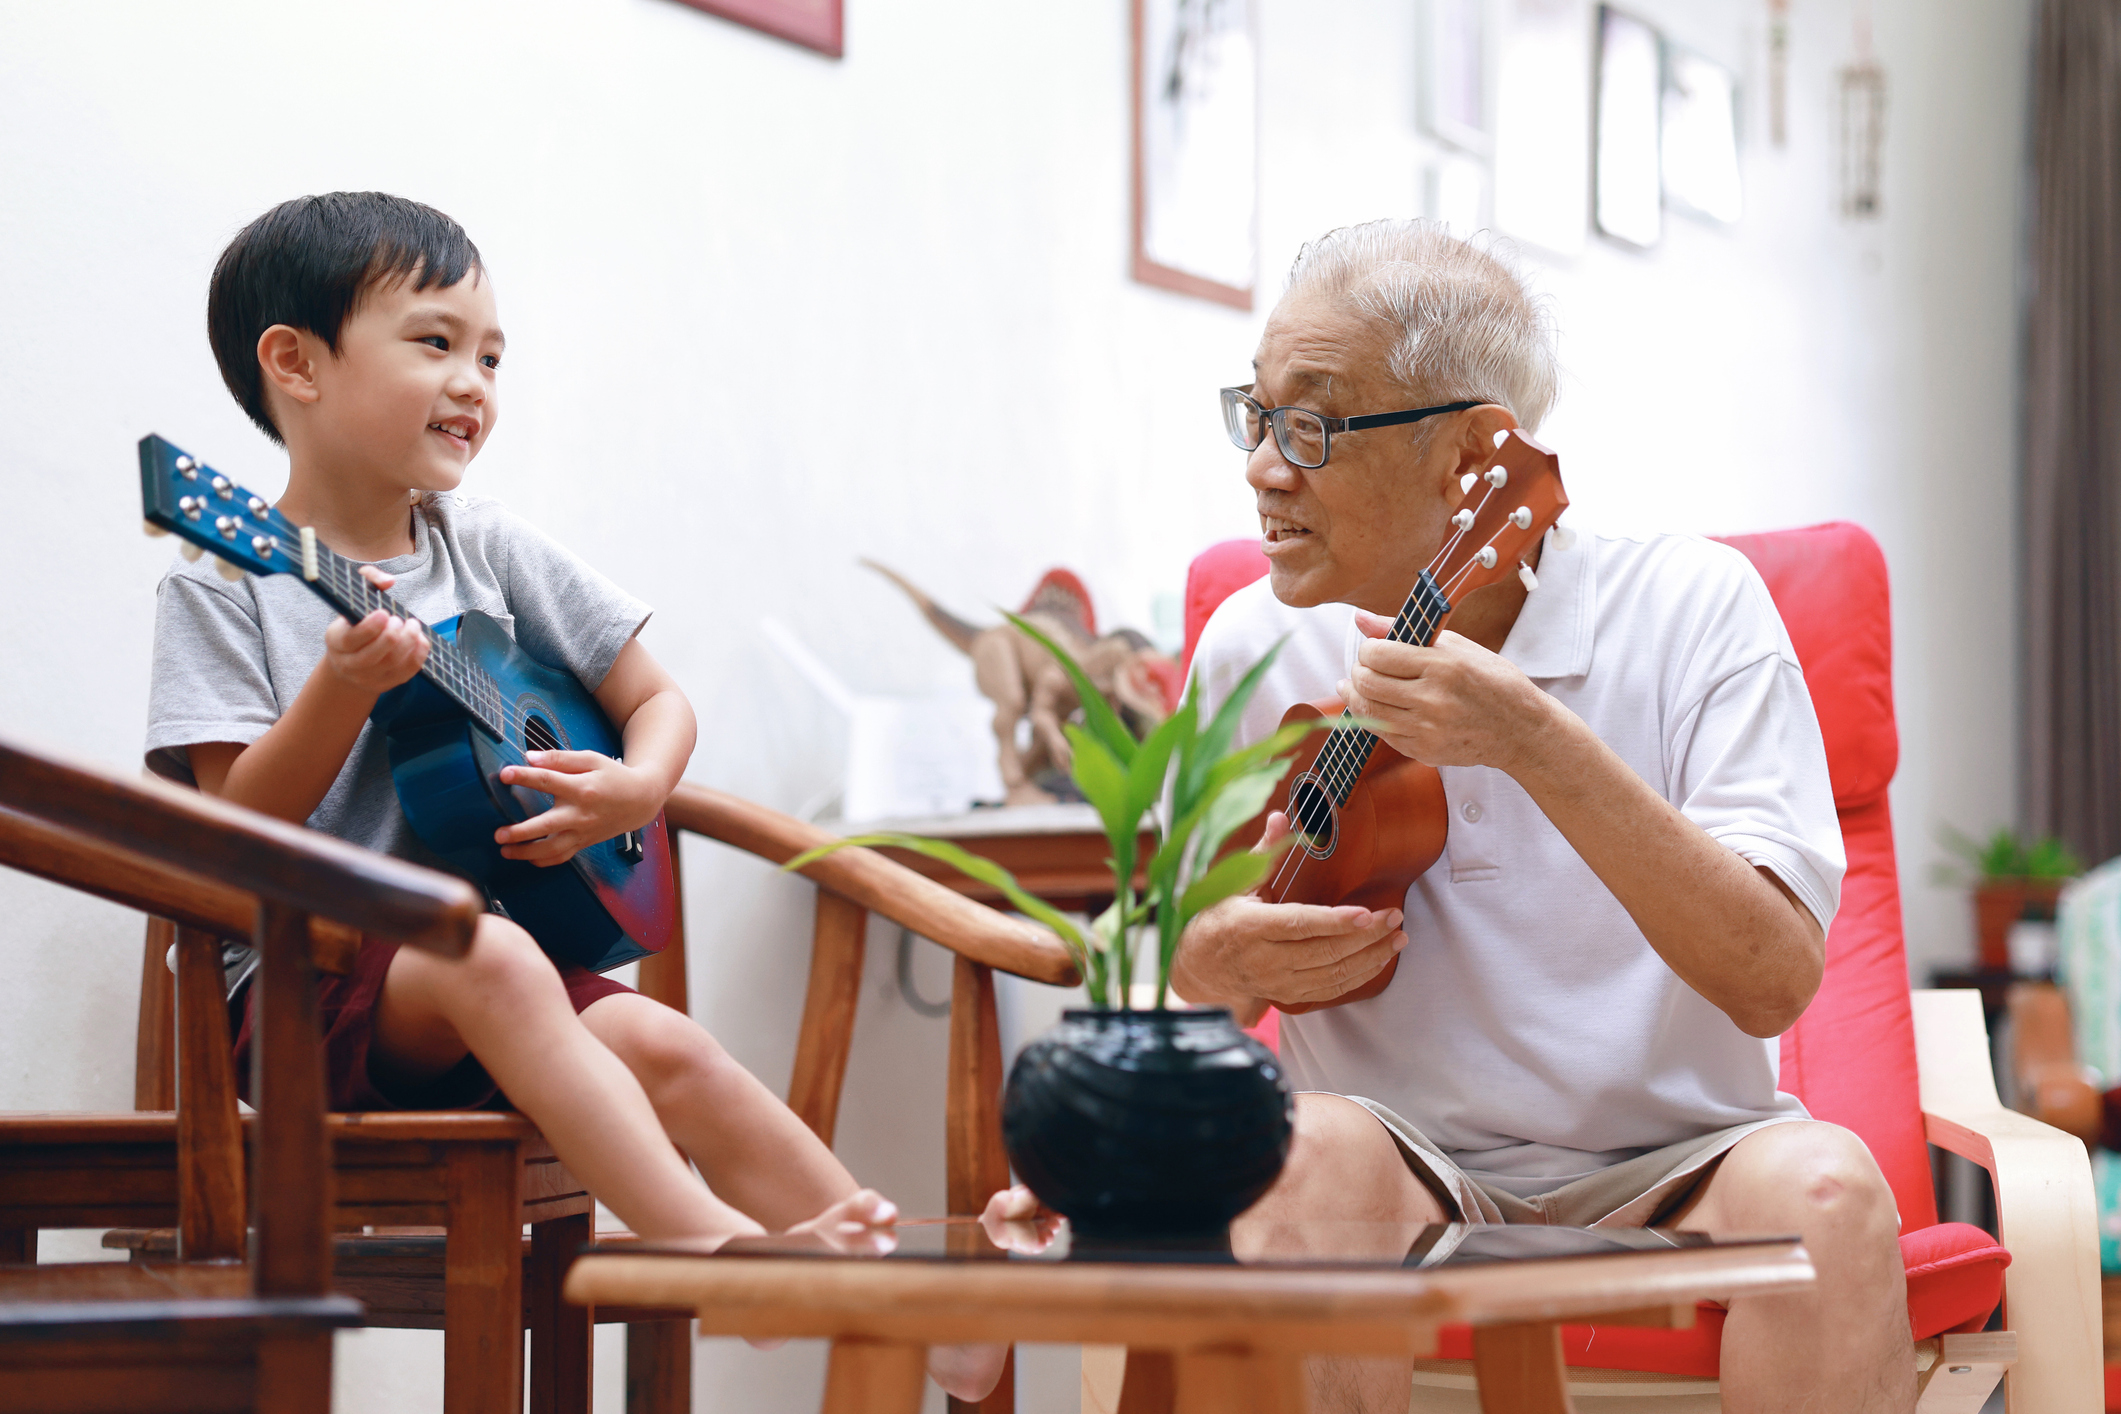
[(478, 704)]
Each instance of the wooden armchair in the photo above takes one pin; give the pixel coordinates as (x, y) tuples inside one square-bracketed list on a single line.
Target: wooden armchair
[(210, 1329), (466, 1182)]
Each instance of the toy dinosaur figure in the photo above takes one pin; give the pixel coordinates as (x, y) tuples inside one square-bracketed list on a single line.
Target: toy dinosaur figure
[(1023, 681)]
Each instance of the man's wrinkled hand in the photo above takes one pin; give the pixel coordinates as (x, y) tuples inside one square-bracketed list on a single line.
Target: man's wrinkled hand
[(1245, 950), (593, 798), (1452, 704)]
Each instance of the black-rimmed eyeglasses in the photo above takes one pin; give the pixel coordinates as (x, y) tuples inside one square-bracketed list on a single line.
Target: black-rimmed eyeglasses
[(1305, 437)]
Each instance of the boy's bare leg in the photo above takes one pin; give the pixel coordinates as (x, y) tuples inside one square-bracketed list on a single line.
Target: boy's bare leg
[(1843, 1345), (504, 1002), (750, 1147)]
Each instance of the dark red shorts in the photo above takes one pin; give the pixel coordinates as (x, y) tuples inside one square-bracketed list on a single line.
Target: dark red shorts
[(347, 1008)]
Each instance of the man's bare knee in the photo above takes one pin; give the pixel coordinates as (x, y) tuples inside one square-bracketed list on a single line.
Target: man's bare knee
[(1343, 1163)]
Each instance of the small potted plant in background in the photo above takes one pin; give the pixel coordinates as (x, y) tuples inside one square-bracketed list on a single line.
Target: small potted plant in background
[(1153, 1122), (2011, 881)]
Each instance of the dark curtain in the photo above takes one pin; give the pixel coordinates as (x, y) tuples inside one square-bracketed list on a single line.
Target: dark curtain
[(2073, 433)]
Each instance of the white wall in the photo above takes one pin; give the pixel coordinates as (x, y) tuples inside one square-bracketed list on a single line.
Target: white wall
[(769, 312)]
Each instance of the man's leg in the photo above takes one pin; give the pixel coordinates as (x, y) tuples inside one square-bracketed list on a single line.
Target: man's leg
[(1346, 1192), (751, 1148), (1844, 1344), (503, 1002)]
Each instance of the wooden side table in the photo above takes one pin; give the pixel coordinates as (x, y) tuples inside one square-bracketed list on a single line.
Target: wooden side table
[(1057, 852)]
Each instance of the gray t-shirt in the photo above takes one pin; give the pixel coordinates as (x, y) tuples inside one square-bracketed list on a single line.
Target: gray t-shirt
[(231, 657)]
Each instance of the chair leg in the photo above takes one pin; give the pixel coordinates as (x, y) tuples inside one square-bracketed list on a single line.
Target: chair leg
[(294, 1374), (560, 1332), (659, 1367), (482, 1283)]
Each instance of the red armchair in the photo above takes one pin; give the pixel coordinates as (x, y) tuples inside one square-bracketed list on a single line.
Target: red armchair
[(1897, 1069)]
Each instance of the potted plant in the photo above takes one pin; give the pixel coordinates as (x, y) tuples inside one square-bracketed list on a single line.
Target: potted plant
[(1152, 1122), (2012, 880)]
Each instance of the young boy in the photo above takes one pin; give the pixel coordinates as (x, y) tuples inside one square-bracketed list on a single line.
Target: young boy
[(359, 331)]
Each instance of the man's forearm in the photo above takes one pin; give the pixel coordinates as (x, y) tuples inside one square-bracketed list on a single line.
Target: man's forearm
[(1729, 933)]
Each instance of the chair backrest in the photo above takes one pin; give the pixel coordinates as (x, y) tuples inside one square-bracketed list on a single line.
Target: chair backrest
[(1851, 1057)]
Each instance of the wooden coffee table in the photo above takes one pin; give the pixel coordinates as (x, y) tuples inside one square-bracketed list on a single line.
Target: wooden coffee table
[(1210, 1334)]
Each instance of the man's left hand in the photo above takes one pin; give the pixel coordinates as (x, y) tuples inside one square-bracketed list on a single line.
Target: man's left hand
[(593, 798), (1453, 704)]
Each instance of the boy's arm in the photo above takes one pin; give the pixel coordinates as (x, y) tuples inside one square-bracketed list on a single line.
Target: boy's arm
[(287, 771), (595, 797)]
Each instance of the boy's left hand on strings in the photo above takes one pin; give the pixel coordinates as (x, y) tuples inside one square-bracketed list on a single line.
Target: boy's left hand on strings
[(593, 799)]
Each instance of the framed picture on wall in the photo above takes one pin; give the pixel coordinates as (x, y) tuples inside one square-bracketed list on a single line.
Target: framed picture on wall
[(1628, 202), (1701, 137), (1196, 148), (814, 24), (1455, 73)]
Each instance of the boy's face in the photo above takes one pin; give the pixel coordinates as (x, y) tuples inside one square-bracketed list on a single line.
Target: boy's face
[(412, 394)]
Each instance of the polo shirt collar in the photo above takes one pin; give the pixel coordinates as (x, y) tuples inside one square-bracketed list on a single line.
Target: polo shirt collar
[(1552, 635)]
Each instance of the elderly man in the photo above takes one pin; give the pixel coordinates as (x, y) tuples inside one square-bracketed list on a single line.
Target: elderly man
[(1643, 853)]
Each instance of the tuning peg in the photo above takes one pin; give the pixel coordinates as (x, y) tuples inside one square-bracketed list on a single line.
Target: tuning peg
[(1501, 436), (1522, 517), (189, 551), (1526, 578), (1465, 483), (1498, 477), (1486, 557), (153, 531), (1563, 537), (1463, 520), (228, 570)]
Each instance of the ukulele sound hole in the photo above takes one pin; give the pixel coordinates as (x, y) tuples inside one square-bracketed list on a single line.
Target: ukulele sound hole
[(538, 735), (1311, 808)]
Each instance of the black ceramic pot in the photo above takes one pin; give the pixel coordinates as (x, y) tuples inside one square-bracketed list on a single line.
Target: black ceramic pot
[(1147, 1124)]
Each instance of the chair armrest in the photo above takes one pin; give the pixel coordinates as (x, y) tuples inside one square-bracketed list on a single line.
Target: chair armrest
[(2046, 1212), (878, 884), (270, 859), (32, 846)]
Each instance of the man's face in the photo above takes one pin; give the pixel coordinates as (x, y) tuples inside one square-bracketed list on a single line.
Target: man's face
[(1358, 529), (411, 395)]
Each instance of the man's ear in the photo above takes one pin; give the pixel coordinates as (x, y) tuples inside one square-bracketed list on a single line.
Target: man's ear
[(1475, 439), (288, 359)]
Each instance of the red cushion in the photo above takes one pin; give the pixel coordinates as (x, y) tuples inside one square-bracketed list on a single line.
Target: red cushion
[(1954, 1280), (1215, 574)]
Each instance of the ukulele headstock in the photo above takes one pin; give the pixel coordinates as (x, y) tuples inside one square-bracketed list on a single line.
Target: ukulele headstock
[(1507, 508), (181, 495)]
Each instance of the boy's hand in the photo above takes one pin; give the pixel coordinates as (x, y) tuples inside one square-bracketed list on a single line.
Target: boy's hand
[(593, 799), (378, 653)]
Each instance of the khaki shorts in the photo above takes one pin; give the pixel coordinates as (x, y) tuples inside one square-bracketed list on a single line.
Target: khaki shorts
[(1637, 1192)]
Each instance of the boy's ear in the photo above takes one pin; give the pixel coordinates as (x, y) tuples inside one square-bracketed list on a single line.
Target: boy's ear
[(287, 358)]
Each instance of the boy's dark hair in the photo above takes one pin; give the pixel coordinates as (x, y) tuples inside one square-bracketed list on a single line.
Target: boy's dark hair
[(307, 263)]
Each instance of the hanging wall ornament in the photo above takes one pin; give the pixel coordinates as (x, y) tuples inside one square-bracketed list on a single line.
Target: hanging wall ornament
[(1778, 72), (1862, 128)]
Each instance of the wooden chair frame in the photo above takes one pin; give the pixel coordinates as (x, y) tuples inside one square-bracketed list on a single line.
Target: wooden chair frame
[(235, 1323), (451, 1171)]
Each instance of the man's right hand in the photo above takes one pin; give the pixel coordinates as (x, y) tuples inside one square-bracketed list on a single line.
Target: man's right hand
[(378, 653), (1245, 953)]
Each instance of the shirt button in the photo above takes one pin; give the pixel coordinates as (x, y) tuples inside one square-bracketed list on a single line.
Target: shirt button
[(1471, 810)]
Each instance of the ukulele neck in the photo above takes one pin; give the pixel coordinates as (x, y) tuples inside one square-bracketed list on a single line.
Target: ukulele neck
[(1340, 763), (339, 582)]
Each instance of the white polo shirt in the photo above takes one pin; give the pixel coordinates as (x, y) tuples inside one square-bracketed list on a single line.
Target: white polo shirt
[(1531, 1032)]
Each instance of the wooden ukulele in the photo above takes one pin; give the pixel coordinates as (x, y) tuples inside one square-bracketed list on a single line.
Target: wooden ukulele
[(478, 704), (1368, 821)]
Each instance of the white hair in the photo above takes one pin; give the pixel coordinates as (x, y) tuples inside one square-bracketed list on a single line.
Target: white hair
[(1462, 322)]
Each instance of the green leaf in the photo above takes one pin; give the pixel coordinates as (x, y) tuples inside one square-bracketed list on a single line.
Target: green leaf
[(1230, 876), (1235, 803), (1097, 712), (1213, 742), (1145, 775), (965, 862), (1104, 784)]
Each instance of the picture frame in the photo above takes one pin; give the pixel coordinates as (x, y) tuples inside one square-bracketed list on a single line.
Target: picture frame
[(1699, 143), (1628, 174), (814, 24), (1456, 74), (1196, 149)]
